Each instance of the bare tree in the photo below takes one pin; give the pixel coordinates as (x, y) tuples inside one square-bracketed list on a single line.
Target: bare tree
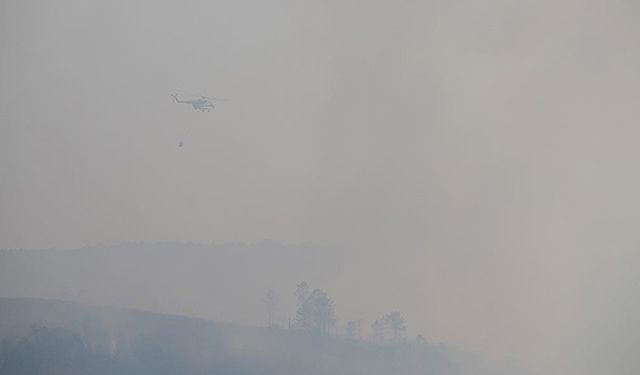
[(301, 319), (391, 327), (271, 301), (354, 329), (351, 329), (302, 292)]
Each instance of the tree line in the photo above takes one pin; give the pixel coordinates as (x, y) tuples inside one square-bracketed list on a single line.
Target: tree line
[(315, 313)]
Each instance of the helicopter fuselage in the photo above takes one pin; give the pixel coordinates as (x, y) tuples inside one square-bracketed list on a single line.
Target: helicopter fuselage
[(202, 104)]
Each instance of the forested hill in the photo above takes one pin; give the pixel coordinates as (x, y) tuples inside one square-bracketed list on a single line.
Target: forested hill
[(56, 337)]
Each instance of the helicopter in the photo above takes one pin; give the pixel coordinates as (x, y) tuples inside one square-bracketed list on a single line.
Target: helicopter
[(202, 103)]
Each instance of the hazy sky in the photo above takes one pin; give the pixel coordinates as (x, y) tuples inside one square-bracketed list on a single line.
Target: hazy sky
[(484, 153)]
